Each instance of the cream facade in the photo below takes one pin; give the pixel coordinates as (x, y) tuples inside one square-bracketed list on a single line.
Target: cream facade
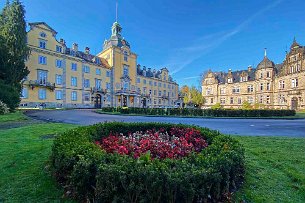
[(70, 78), (269, 85)]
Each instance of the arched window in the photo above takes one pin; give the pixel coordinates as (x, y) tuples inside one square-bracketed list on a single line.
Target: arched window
[(298, 67), (291, 69), (42, 34)]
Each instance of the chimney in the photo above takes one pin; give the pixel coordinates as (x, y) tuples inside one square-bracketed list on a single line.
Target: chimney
[(75, 47), (87, 50), (249, 68)]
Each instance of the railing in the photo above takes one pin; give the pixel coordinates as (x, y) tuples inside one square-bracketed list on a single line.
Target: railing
[(98, 90), (125, 91), (42, 83), (294, 92)]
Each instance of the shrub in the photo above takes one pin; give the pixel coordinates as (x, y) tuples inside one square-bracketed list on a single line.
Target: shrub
[(217, 106), (217, 112), (3, 108), (90, 173)]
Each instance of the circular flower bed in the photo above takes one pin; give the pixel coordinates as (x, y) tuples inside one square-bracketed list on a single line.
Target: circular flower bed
[(147, 162), (177, 143)]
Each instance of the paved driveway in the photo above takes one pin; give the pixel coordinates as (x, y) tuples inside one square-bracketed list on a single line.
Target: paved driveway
[(250, 127)]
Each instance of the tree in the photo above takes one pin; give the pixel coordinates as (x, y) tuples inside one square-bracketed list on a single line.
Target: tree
[(246, 105), (13, 49), (192, 96)]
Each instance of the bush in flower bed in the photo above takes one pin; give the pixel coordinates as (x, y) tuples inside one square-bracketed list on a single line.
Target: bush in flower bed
[(203, 112), (147, 162)]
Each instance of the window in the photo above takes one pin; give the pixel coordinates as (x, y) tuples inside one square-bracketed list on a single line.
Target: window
[(58, 63), (222, 90), (282, 84), (294, 83), (250, 88), (150, 83), (160, 93), (42, 77), (212, 100), (24, 93), (58, 94), (108, 86), (291, 69), (108, 73), (155, 84), (298, 67), (239, 100), (222, 100), (86, 69), (138, 80), (282, 99), (159, 84), (42, 94), (58, 79), (236, 90), (250, 100), (58, 49), (260, 99), (87, 97), (42, 44), (268, 74), (74, 81), (125, 56), (232, 100), (42, 34), (244, 79), (125, 70), (209, 91), (98, 71), (126, 86), (230, 80), (74, 66), (144, 82), (108, 98), (98, 84), (74, 96), (261, 75), (155, 92), (261, 86), (268, 86), (164, 85), (42, 60), (86, 83), (268, 99)]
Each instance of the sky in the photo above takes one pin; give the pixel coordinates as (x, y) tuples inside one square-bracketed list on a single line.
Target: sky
[(188, 37)]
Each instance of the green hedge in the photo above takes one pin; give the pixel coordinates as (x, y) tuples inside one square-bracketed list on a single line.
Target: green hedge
[(89, 173), (203, 112)]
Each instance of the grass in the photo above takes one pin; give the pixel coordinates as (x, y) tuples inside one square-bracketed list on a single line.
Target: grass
[(275, 169), (16, 116), (24, 154), (275, 166)]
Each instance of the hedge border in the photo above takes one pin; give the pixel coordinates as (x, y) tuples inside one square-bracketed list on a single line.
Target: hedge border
[(202, 112), (89, 173)]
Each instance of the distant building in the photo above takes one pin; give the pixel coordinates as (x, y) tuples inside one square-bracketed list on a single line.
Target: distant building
[(280, 86), (67, 77)]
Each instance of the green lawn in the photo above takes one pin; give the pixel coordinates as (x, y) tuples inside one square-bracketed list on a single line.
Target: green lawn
[(17, 116), (275, 169), (24, 176), (275, 166)]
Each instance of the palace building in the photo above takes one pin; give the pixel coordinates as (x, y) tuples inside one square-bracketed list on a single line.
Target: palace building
[(63, 77), (269, 85)]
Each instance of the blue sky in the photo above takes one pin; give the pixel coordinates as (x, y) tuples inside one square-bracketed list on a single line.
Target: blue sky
[(188, 37)]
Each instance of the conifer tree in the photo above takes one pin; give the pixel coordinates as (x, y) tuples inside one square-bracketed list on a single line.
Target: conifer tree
[(13, 50)]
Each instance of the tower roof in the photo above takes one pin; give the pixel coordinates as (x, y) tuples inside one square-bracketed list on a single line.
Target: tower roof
[(265, 63), (294, 44)]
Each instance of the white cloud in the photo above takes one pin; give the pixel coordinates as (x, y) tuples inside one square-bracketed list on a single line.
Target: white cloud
[(184, 56)]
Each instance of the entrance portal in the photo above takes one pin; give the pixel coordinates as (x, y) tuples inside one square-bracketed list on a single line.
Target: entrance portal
[(294, 103), (98, 101), (124, 101)]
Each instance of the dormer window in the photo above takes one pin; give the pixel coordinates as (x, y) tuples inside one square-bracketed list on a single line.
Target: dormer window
[(230, 80), (42, 34), (268, 74), (243, 79), (58, 49)]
